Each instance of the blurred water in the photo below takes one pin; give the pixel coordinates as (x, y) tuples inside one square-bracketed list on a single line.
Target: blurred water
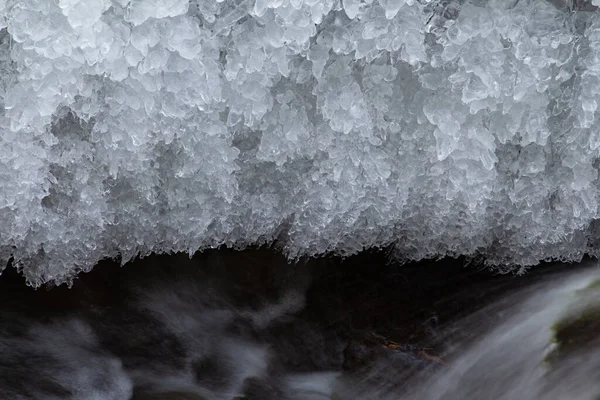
[(192, 333), (507, 362)]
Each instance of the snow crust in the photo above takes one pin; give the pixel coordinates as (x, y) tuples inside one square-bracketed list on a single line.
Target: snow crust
[(440, 127)]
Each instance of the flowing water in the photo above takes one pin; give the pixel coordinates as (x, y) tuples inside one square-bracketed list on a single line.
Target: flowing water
[(224, 330), (510, 361)]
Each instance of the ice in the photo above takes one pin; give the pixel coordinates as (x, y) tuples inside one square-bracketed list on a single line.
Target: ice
[(139, 11), (391, 7), (437, 128)]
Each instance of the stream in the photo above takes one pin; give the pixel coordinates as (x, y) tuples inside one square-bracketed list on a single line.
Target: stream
[(248, 325)]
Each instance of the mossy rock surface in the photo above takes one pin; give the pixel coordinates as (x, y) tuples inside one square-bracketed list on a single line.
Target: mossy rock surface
[(580, 328)]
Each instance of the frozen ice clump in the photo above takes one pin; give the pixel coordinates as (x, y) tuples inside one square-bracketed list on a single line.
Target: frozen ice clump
[(436, 127)]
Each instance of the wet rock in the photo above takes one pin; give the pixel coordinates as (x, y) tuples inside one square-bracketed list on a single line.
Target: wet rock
[(363, 350), (579, 331), (385, 364), (580, 327), (373, 361)]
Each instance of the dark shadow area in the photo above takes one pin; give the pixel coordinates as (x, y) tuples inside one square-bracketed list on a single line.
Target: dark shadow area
[(362, 292), (310, 313)]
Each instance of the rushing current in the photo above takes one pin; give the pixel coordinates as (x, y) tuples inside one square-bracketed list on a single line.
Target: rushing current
[(436, 127), (511, 360), (252, 327)]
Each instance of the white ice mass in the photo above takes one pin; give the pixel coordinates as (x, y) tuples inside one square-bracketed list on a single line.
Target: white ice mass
[(438, 127)]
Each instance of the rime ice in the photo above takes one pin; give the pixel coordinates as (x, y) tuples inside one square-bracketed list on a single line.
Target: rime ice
[(439, 127)]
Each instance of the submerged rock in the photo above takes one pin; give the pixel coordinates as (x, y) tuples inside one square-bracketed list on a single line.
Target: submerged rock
[(379, 362), (366, 349)]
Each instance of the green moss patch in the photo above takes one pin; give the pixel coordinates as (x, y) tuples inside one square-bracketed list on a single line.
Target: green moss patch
[(580, 328)]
